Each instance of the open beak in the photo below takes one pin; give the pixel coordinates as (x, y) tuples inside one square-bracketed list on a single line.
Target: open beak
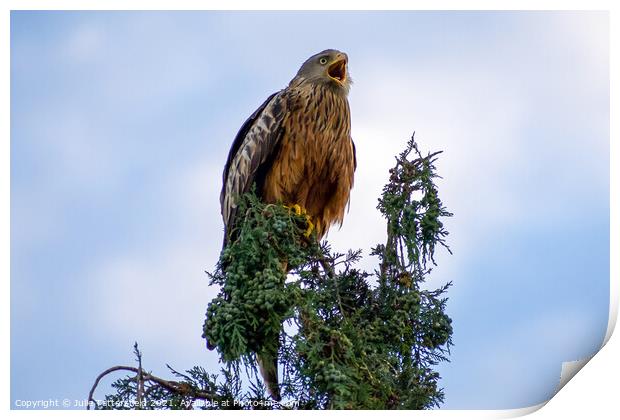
[(338, 70)]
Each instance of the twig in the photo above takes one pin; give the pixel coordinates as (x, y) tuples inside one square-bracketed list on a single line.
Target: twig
[(176, 372), (172, 386), (140, 379)]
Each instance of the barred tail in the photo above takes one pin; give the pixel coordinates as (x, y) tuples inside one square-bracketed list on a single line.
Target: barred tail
[(268, 366)]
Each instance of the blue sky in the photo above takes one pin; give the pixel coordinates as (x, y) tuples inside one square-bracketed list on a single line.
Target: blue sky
[(121, 123)]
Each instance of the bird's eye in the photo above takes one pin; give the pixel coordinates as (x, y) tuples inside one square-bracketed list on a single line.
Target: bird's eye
[(323, 60)]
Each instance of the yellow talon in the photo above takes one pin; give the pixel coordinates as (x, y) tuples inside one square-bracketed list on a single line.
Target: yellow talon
[(299, 211), (310, 226), (296, 208)]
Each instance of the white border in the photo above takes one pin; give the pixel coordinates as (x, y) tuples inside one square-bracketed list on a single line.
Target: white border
[(591, 395)]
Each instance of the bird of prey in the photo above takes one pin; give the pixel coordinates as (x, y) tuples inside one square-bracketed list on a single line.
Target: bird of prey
[(296, 148)]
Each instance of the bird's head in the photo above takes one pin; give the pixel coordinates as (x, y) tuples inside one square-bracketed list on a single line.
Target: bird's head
[(329, 67)]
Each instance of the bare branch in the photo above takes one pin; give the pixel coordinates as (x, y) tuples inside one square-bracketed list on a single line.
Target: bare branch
[(179, 388)]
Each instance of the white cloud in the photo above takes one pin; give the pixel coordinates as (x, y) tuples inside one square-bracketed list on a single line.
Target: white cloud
[(157, 293), (477, 138), (496, 171), (85, 42)]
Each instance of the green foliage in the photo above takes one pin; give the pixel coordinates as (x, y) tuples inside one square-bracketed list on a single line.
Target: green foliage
[(254, 299), (347, 339)]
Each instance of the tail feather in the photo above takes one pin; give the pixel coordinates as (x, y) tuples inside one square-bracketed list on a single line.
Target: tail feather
[(268, 366)]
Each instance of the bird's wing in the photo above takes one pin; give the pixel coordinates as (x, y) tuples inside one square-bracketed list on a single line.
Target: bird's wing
[(253, 147)]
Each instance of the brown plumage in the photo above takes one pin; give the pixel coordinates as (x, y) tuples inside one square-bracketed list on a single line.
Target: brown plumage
[(297, 149)]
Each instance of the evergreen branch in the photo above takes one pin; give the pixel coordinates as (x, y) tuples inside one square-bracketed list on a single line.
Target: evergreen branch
[(353, 343)]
